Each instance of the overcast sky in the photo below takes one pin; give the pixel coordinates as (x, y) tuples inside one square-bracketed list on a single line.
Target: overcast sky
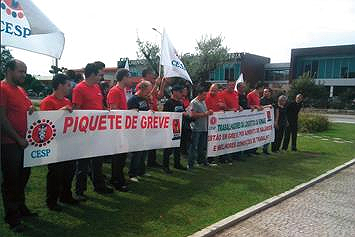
[(107, 30)]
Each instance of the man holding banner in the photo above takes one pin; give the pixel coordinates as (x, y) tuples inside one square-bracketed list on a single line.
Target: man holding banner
[(14, 105), (116, 99), (87, 96), (60, 175)]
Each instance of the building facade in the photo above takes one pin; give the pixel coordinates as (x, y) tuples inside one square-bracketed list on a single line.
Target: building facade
[(252, 67), (333, 66)]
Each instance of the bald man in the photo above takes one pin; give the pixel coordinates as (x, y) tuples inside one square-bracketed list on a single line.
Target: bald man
[(14, 105), (214, 101), (292, 116)]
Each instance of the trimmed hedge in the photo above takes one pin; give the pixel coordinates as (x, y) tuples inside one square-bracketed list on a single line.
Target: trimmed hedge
[(309, 123)]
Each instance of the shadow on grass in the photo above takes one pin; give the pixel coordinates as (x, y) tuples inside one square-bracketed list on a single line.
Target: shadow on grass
[(160, 202)]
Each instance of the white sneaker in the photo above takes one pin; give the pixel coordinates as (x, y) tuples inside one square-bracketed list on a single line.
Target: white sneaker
[(213, 164), (134, 179), (147, 175)]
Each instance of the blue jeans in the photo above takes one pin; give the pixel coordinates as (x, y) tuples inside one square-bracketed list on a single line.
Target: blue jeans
[(198, 147)]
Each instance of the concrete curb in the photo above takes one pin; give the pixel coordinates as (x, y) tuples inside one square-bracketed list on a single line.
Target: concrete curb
[(245, 214)]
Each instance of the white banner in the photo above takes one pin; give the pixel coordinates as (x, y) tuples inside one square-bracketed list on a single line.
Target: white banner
[(173, 67), (56, 136), (238, 131), (24, 26)]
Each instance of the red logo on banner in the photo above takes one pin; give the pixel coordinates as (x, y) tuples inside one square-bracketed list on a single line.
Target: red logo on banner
[(213, 120), (12, 7), (41, 133)]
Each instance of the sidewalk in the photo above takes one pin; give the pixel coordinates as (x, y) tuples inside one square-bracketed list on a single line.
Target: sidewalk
[(326, 209)]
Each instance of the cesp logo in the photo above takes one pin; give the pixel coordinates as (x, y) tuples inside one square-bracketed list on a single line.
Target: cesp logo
[(13, 23), (13, 8), (213, 120), (41, 133)]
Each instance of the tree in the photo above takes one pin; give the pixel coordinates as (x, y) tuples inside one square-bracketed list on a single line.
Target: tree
[(55, 70), (210, 53), (149, 51), (315, 94), (5, 58), (32, 83)]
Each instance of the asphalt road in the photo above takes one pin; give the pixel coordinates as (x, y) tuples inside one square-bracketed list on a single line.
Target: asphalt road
[(339, 118)]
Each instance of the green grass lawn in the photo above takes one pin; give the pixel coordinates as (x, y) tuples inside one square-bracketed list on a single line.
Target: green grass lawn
[(183, 203)]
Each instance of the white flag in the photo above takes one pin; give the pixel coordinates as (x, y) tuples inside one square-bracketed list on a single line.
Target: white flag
[(24, 26), (173, 67), (240, 79), (126, 66)]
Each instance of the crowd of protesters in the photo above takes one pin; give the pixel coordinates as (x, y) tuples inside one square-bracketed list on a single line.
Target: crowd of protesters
[(93, 93)]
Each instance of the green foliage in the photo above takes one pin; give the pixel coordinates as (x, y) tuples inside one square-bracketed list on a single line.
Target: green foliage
[(149, 51), (55, 70), (310, 123), (31, 83), (5, 58), (210, 53), (316, 95)]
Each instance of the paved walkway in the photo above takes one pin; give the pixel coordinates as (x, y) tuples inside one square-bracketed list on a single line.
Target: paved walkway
[(326, 209), (340, 118)]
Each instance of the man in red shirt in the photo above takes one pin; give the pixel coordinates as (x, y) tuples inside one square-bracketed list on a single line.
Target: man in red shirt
[(214, 100), (254, 97), (254, 103), (230, 97), (14, 105), (116, 100), (60, 175), (87, 96)]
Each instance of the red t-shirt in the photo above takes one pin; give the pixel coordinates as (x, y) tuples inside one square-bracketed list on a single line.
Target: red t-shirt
[(16, 103), (88, 97), (231, 99), (253, 99), (185, 102), (117, 96), (212, 102), (53, 103)]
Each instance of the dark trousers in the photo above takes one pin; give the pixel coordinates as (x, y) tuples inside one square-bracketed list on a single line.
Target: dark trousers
[(137, 166), (15, 178), (91, 167), (185, 141), (152, 158), (82, 172), (279, 135), (59, 180), (290, 131), (167, 153), (118, 163)]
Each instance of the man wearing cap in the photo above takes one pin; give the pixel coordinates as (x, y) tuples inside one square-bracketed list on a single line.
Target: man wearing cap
[(174, 104)]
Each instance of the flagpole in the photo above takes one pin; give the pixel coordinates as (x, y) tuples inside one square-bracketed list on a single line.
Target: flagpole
[(161, 40)]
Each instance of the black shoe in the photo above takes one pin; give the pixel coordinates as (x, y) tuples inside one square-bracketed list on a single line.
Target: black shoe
[(25, 212), (104, 190), (167, 170), (266, 153), (55, 207), (17, 228), (121, 188), (180, 167), (69, 201), (81, 197), (294, 149)]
